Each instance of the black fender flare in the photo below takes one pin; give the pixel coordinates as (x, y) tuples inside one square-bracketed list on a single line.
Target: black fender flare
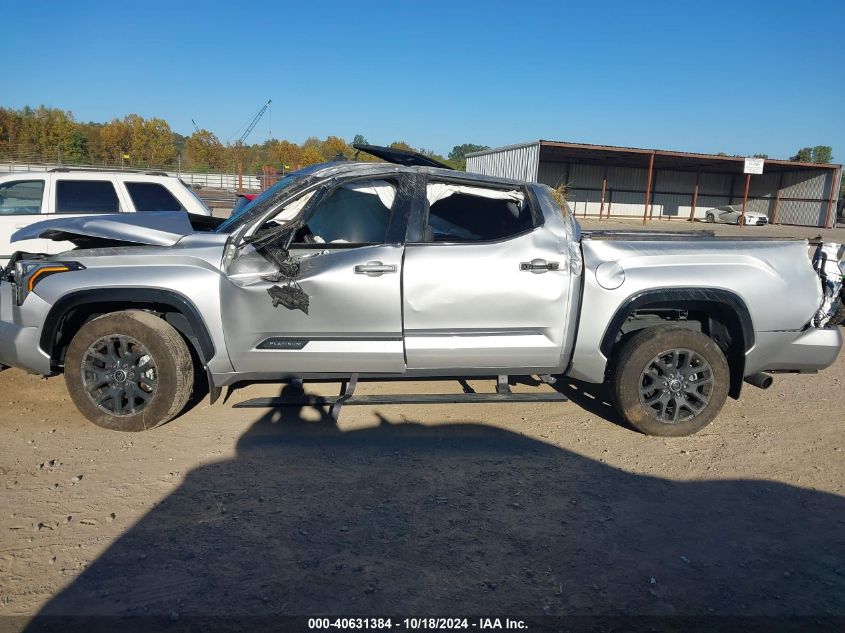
[(694, 298), (193, 327)]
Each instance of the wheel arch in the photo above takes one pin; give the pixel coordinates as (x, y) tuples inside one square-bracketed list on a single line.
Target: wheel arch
[(723, 315), (72, 310)]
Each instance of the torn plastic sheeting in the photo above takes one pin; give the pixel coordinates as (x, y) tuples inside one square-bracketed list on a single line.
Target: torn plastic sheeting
[(440, 190)]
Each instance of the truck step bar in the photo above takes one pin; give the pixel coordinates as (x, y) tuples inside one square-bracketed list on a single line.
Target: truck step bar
[(346, 396)]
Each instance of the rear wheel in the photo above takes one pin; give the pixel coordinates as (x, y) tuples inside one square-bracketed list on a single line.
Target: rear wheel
[(128, 371), (670, 381)]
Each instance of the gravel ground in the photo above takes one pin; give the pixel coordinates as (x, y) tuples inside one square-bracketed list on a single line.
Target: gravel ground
[(530, 509)]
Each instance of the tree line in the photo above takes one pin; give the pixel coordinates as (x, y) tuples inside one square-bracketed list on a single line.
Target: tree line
[(53, 135)]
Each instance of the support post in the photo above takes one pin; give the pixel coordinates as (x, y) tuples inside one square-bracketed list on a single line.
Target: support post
[(745, 199), (603, 189), (694, 199), (777, 199), (837, 175), (648, 187), (651, 198)]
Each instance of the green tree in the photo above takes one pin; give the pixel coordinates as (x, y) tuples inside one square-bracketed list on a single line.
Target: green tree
[(817, 154), (359, 139), (459, 152), (75, 147)]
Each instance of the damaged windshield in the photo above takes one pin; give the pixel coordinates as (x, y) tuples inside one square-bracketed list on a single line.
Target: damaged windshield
[(284, 183)]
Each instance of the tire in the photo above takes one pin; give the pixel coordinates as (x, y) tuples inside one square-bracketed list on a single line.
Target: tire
[(710, 218), (136, 365), (741, 221), (683, 406)]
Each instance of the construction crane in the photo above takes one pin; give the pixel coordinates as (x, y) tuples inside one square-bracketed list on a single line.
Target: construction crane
[(196, 127), (240, 143), (255, 121)]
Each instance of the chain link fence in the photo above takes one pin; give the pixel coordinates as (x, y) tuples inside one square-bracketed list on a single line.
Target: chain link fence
[(29, 160)]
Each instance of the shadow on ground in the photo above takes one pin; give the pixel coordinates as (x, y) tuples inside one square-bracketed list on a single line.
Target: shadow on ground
[(466, 518)]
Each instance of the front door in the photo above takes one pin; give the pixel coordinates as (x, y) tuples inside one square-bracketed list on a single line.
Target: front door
[(342, 313), (485, 287), (21, 204)]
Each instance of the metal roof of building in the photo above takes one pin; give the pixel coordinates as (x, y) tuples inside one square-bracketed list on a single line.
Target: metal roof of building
[(563, 151)]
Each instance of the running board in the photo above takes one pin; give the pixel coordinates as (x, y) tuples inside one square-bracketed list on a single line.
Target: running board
[(421, 398), (347, 396)]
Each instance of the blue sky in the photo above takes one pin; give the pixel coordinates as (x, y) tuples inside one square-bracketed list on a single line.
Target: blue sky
[(738, 77)]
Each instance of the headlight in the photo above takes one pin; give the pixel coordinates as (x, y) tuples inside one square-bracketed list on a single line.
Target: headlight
[(29, 273)]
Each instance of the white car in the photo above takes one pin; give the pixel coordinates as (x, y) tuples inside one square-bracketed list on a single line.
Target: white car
[(29, 197), (732, 214)]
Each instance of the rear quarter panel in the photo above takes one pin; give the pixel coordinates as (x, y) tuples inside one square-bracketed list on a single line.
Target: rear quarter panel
[(774, 279)]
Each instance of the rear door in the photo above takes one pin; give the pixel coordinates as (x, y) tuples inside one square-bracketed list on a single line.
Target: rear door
[(150, 196), (22, 202), (486, 286), (88, 195)]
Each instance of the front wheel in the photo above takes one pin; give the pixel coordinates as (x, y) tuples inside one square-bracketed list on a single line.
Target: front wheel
[(710, 218), (670, 381), (128, 371)]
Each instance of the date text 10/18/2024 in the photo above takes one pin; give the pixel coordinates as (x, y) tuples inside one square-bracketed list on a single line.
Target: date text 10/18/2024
[(417, 624)]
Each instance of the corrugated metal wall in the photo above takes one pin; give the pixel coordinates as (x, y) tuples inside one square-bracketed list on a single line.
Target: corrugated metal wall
[(803, 198), (804, 194), (517, 161)]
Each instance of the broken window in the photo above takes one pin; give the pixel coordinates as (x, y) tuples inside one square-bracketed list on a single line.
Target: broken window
[(356, 212), (461, 213)]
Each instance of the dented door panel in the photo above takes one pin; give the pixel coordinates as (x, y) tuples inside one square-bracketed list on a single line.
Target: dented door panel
[(478, 305), (352, 322)]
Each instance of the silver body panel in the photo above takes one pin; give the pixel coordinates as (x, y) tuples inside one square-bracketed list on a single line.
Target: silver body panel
[(354, 321), (159, 228), (471, 305), (443, 309), (762, 273), (190, 269)]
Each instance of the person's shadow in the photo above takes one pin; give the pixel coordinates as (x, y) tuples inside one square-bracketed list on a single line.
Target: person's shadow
[(407, 518)]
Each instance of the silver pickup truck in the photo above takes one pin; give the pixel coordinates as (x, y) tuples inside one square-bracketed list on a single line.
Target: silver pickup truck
[(368, 269)]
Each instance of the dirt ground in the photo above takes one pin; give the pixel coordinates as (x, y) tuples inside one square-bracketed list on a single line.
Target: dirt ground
[(529, 509)]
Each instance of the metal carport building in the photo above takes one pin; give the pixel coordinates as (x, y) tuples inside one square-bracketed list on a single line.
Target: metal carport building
[(609, 181)]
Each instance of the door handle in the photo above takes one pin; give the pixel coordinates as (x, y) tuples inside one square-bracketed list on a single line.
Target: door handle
[(374, 269), (539, 266)]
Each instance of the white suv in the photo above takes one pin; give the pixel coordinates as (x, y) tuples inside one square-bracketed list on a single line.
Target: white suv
[(26, 198)]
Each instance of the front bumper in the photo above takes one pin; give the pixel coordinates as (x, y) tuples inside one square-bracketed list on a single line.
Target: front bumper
[(810, 350), (19, 342)]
